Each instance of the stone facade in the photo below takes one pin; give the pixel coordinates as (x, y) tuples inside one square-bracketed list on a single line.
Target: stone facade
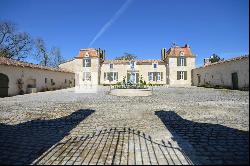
[(232, 73), (142, 70), (174, 68), (34, 77)]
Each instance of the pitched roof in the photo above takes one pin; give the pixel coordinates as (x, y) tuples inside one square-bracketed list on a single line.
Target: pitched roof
[(176, 51), (11, 62), (91, 52), (228, 60), (137, 61)]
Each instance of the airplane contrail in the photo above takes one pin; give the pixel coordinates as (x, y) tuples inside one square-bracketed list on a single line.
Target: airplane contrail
[(111, 21)]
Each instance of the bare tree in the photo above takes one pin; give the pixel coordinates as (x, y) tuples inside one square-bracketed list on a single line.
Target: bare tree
[(13, 44), (56, 56), (41, 53)]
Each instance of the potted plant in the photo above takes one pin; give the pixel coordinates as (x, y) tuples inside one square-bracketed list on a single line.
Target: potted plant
[(20, 86)]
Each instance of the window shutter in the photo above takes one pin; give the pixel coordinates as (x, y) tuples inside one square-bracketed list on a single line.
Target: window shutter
[(83, 62), (89, 63), (185, 75), (116, 76), (178, 75), (148, 76), (105, 76), (128, 77), (185, 61), (178, 61), (137, 77), (161, 76)]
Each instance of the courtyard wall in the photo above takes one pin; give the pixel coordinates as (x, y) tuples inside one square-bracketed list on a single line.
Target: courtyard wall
[(34, 76), (220, 74)]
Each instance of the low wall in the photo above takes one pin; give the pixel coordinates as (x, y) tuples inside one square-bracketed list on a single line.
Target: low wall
[(221, 74)]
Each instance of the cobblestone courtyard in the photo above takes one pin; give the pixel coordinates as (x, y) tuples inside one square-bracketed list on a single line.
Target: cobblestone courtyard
[(173, 126)]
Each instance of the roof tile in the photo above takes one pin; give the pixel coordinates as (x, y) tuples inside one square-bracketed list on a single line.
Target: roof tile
[(11, 62)]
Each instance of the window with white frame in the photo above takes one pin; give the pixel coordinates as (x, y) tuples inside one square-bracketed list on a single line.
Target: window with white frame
[(132, 64), (155, 76), (182, 61), (181, 75), (111, 76), (86, 76), (86, 62), (150, 76), (158, 76), (111, 66)]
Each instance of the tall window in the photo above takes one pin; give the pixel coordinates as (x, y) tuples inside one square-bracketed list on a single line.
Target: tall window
[(111, 76), (155, 76), (86, 76), (158, 76), (155, 65), (86, 62), (181, 75), (150, 76), (111, 66), (132, 65), (181, 61)]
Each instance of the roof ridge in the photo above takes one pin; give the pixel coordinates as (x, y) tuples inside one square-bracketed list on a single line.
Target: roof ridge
[(13, 62)]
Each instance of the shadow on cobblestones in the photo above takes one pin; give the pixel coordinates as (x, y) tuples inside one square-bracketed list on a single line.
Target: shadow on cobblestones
[(207, 143), (114, 146), (25, 142)]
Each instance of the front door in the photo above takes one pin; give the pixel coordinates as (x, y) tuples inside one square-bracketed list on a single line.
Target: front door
[(133, 77), (235, 80), (4, 85)]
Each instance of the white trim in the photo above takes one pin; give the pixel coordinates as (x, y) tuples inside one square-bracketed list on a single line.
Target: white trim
[(182, 61), (158, 76), (182, 75), (85, 62), (134, 64), (86, 76)]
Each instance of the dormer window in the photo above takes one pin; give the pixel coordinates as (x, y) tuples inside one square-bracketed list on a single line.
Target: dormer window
[(155, 65), (132, 64), (181, 60), (86, 62), (181, 53), (87, 54)]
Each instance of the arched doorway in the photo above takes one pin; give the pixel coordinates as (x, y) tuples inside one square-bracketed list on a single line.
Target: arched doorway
[(4, 85)]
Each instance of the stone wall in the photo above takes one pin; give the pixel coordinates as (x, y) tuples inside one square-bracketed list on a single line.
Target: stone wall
[(36, 78), (221, 74)]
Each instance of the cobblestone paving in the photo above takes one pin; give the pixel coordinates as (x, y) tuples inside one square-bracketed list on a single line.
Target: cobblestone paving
[(202, 126)]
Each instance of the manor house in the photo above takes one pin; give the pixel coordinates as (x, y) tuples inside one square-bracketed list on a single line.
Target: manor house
[(174, 68)]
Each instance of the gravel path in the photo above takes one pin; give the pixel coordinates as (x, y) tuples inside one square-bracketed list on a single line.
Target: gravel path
[(196, 121)]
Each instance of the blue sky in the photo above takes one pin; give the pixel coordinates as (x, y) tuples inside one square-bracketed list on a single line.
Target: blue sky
[(141, 27)]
